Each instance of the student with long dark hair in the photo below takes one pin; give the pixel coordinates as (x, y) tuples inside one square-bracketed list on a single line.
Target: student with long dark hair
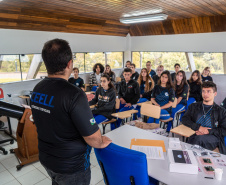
[(195, 90), (94, 79), (181, 92), (146, 84), (104, 99), (110, 73), (163, 95)]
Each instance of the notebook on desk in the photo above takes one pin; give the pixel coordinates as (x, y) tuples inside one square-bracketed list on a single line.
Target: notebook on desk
[(148, 142)]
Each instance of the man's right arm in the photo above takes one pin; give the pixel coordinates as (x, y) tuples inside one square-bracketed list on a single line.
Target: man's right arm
[(97, 141), (187, 120)]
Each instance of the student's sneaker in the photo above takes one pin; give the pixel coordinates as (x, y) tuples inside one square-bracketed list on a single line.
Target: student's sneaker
[(2, 124), (166, 134)]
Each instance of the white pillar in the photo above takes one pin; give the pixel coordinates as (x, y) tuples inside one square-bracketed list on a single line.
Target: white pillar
[(127, 53), (224, 62), (190, 61), (35, 66)]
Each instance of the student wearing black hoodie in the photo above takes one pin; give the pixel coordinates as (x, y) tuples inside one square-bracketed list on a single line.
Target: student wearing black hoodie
[(195, 90), (129, 92), (135, 74), (104, 99)]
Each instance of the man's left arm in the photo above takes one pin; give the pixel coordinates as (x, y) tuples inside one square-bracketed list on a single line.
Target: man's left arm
[(221, 129)]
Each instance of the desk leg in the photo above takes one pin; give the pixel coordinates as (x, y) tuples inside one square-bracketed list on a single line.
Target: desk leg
[(9, 133)]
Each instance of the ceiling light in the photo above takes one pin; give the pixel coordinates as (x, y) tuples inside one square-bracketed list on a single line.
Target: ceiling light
[(143, 18), (144, 12)]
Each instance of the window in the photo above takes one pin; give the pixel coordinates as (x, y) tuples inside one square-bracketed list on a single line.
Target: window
[(212, 60), (114, 59), (9, 68), (25, 64), (92, 58), (137, 58), (167, 59), (42, 71), (79, 61)]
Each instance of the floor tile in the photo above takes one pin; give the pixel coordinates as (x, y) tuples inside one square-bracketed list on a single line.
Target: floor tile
[(96, 176), (10, 162), (43, 170), (5, 177), (2, 168), (93, 159), (37, 164), (14, 182), (101, 183), (21, 172), (45, 182), (31, 177)]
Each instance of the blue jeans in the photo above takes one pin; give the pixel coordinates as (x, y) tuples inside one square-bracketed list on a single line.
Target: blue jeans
[(178, 108), (141, 100), (164, 115), (94, 88), (78, 178), (190, 101), (121, 109)]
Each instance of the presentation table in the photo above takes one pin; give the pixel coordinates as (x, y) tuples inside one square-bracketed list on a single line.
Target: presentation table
[(159, 169)]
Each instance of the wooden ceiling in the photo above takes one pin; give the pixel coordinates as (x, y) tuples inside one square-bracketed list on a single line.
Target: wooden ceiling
[(102, 16)]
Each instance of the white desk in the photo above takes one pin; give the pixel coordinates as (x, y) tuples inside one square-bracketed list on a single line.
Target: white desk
[(158, 169)]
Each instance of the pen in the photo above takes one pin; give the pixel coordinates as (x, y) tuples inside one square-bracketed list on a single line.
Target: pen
[(209, 177)]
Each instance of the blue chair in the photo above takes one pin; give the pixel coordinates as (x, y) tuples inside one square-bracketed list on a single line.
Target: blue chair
[(123, 166)]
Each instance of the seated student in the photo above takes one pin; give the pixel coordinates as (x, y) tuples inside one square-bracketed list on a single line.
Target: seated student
[(94, 79), (195, 90), (110, 73), (206, 75), (77, 81), (146, 84), (128, 63), (151, 72), (181, 92), (159, 71), (177, 68), (105, 99), (163, 95), (129, 92), (135, 74), (207, 119)]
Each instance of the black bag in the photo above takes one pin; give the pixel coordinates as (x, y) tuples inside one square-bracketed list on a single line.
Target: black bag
[(223, 104)]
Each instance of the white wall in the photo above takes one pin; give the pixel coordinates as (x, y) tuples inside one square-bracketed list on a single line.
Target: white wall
[(202, 42), (29, 42)]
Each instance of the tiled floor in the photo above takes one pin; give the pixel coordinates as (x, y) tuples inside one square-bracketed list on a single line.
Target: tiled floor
[(34, 173)]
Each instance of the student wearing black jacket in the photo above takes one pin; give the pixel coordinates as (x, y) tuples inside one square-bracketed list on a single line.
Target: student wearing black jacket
[(104, 100), (206, 75), (159, 71), (177, 68), (146, 84), (129, 92), (195, 90), (135, 74), (77, 81), (181, 93), (207, 119)]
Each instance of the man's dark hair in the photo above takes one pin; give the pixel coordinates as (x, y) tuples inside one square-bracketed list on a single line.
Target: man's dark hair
[(209, 84), (133, 65), (101, 67), (56, 54), (176, 65), (148, 62), (126, 70), (75, 68)]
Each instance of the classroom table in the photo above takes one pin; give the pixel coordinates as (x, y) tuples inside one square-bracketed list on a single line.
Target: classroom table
[(159, 169)]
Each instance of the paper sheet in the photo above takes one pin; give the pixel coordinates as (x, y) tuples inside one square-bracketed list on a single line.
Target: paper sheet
[(152, 152)]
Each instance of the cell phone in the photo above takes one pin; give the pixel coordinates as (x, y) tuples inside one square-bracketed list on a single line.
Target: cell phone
[(206, 160), (209, 168)]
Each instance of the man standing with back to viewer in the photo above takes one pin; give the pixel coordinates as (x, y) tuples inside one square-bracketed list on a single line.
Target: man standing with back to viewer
[(65, 124), (208, 120)]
